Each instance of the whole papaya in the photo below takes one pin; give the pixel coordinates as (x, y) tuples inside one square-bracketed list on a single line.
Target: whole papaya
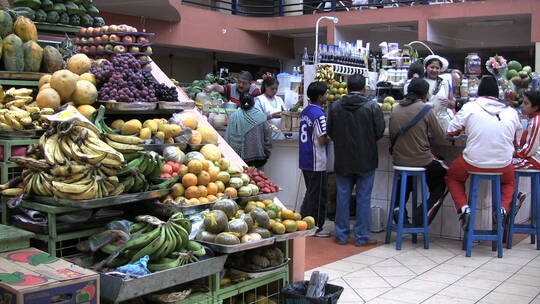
[(52, 60), (13, 54), (25, 29), (33, 55), (6, 24)]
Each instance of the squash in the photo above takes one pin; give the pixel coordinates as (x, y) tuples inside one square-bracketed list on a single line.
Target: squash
[(228, 206), (173, 154), (227, 238), (13, 53), (215, 221), (238, 226), (33, 55), (6, 24), (52, 59), (25, 29)]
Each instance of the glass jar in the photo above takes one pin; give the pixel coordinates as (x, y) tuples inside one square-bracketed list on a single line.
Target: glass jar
[(473, 64)]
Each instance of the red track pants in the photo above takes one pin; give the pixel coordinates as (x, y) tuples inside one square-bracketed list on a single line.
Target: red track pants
[(457, 176)]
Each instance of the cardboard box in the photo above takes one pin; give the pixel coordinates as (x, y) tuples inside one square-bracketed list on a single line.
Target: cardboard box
[(289, 121), (31, 276)]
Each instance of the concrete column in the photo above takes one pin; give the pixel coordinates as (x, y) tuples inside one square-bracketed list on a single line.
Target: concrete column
[(537, 57)]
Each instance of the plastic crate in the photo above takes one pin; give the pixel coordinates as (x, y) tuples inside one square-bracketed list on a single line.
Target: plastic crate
[(295, 294), (269, 293), (63, 248), (9, 170)]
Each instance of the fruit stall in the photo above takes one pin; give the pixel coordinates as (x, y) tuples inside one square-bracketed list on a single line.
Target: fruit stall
[(108, 165)]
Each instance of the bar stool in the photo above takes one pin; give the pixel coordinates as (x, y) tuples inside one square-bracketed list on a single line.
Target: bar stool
[(400, 176), (534, 227), (485, 235)]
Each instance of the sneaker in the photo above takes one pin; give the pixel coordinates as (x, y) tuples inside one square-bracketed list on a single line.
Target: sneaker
[(366, 243), (323, 233), (464, 219), (504, 219), (396, 216)]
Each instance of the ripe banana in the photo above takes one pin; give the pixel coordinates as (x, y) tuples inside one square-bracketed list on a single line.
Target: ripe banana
[(68, 170), (124, 148), (123, 139), (13, 191)]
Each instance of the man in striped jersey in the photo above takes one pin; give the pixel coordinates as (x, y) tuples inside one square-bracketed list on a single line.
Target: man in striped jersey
[(312, 156)]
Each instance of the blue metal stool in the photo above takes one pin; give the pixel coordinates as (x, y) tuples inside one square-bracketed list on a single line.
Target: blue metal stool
[(400, 176), (495, 236), (534, 227)]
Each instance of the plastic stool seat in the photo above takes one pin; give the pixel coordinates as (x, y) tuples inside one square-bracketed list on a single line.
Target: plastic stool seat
[(493, 235), (403, 168), (400, 179), (533, 228), (485, 173)]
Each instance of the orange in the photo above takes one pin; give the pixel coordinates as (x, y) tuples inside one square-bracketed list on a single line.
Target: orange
[(203, 191), (212, 188), (203, 200), (310, 221), (213, 171), (189, 179), (192, 192), (230, 191), (301, 225), (194, 166), (211, 197), (203, 178), (177, 190), (183, 170), (290, 225), (193, 201), (297, 216), (220, 186), (205, 165)]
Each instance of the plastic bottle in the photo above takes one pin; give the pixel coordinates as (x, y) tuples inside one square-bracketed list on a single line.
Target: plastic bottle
[(305, 57)]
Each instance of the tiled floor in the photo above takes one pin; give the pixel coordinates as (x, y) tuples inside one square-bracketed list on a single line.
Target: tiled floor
[(439, 275)]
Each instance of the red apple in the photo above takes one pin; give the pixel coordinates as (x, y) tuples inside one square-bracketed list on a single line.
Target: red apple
[(104, 29), (97, 39), (134, 49), (142, 39), (104, 38), (127, 39), (77, 39), (122, 28), (119, 49), (90, 30), (92, 49), (108, 47), (82, 30), (78, 48), (85, 49), (113, 28), (91, 40), (114, 38), (100, 48)]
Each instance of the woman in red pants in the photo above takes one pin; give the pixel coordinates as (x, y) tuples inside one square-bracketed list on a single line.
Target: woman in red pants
[(490, 126)]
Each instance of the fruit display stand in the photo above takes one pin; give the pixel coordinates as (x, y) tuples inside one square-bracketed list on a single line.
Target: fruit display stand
[(24, 79), (12, 238)]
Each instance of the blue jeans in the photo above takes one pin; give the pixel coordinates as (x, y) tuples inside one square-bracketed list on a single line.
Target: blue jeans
[(364, 186)]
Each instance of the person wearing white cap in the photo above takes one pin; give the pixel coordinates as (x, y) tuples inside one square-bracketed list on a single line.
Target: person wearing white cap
[(440, 89)]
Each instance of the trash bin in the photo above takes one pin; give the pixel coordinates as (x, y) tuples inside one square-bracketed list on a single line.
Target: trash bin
[(295, 294)]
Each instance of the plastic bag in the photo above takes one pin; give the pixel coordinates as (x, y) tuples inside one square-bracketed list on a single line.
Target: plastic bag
[(138, 268), (197, 224)]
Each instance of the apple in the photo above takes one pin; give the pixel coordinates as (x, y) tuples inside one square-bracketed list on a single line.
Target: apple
[(134, 49), (113, 28), (104, 29), (148, 50), (92, 49), (144, 58), (85, 49), (90, 30), (100, 48), (133, 29), (127, 39), (114, 38), (142, 39), (91, 40), (122, 28), (97, 39), (109, 47), (77, 39), (84, 40), (147, 66), (119, 49), (78, 48), (104, 38)]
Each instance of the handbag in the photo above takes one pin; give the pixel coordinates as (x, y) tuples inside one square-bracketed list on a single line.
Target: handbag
[(411, 123)]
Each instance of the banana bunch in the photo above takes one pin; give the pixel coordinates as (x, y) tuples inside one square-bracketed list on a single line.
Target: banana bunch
[(325, 73), (141, 168), (166, 243), (18, 111), (121, 143)]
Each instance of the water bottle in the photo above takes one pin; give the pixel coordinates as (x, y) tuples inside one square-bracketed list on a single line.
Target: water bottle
[(305, 57)]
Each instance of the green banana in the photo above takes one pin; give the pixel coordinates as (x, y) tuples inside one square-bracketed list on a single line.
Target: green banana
[(196, 248), (131, 156), (110, 249), (185, 223), (136, 227), (128, 183), (152, 164), (142, 239), (164, 264), (157, 169), (183, 236), (166, 184), (135, 163), (150, 248), (144, 164)]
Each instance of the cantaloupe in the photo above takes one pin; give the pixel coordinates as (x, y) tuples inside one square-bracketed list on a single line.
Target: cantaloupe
[(44, 79), (85, 93), (211, 152), (90, 77), (64, 82), (189, 120), (48, 98), (195, 138), (45, 86), (208, 134), (79, 64)]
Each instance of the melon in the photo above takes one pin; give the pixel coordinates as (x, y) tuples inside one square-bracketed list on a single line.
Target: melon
[(48, 98), (189, 120), (79, 64), (208, 134), (211, 152), (90, 77), (85, 93), (64, 82), (44, 79)]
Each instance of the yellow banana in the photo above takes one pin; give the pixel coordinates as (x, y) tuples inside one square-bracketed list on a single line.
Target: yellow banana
[(48, 148), (123, 139), (13, 191), (124, 148), (12, 122), (6, 127)]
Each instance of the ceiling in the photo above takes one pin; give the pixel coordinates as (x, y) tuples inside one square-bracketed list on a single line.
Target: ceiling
[(155, 9)]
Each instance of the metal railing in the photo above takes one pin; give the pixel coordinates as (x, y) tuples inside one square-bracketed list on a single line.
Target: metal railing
[(272, 8)]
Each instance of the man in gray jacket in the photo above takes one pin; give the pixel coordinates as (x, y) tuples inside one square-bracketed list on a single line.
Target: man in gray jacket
[(355, 124)]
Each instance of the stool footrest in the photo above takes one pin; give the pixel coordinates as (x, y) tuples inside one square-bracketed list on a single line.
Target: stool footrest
[(524, 230), (408, 230)]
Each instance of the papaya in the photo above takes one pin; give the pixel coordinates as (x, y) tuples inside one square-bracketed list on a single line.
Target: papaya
[(25, 29), (1, 47), (33, 54), (52, 59), (6, 24), (13, 53)]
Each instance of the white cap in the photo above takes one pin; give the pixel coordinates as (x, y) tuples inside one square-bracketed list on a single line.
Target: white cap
[(441, 59)]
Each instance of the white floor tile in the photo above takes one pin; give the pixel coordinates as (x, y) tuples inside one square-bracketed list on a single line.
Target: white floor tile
[(367, 282), (368, 294), (536, 300), (383, 252), (489, 275), (407, 295), (468, 293), (512, 260), (504, 298), (362, 273), (501, 267), (477, 283), (344, 266), (387, 271), (421, 268), (421, 285), (363, 259), (524, 280), (388, 262), (349, 294), (529, 270), (383, 301), (454, 269), (398, 280), (518, 289), (442, 299), (413, 260), (332, 273), (442, 277), (462, 260)]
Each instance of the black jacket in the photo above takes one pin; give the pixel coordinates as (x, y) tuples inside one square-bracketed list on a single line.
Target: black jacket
[(355, 124)]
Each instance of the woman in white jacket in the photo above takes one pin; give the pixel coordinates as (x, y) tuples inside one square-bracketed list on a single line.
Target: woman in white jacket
[(491, 127)]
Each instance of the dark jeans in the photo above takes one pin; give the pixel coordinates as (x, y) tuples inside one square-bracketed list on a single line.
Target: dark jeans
[(435, 174), (258, 163), (315, 199)]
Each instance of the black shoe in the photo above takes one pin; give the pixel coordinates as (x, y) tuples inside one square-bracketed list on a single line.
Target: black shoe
[(464, 219), (504, 216), (520, 199), (396, 215)]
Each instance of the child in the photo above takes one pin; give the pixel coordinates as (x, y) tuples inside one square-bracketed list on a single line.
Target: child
[(528, 153), (312, 155)]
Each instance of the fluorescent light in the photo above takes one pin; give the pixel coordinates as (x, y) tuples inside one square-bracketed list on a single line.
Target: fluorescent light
[(490, 23)]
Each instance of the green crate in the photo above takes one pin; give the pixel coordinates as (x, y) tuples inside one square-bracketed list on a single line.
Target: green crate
[(12, 238), (9, 170), (9, 144), (63, 248)]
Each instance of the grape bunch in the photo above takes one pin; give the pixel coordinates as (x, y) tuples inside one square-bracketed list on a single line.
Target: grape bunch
[(125, 81), (103, 70), (163, 92)]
